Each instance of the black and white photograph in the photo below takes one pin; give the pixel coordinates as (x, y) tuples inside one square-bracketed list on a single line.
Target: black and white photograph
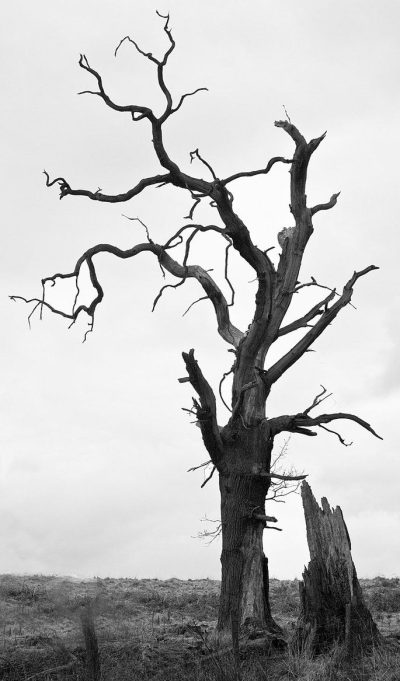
[(200, 350)]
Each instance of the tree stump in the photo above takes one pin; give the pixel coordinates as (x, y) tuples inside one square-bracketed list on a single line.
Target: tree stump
[(332, 608)]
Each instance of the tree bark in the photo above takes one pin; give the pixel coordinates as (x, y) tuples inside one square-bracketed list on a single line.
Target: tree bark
[(332, 608), (244, 588)]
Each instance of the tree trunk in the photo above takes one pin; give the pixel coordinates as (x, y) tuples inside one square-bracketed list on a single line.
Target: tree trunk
[(332, 608), (244, 602), (244, 589)]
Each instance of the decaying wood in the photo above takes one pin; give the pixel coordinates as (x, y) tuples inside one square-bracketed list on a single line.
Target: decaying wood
[(241, 449), (331, 601)]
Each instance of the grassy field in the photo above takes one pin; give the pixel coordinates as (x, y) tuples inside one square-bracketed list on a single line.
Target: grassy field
[(152, 629)]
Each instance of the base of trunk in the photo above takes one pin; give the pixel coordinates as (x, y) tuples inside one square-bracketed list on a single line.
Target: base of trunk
[(244, 614)]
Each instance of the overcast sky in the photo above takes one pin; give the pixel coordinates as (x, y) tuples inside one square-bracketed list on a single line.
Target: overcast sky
[(94, 445)]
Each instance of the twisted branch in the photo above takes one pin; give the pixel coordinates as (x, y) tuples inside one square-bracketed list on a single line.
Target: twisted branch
[(300, 423), (227, 330), (66, 190), (253, 173), (329, 314), (325, 206), (137, 112)]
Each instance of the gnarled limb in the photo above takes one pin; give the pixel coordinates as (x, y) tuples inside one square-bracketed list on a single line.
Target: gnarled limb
[(137, 112), (227, 330), (316, 310), (327, 418), (300, 423), (253, 173), (206, 410), (160, 63), (66, 190), (329, 314)]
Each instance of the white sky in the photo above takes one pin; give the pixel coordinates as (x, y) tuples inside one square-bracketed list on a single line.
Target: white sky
[(94, 445)]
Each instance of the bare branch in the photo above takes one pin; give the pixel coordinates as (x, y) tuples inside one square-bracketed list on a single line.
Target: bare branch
[(194, 303), (226, 329), (329, 430), (265, 518), (293, 246), (314, 143), (316, 310), (277, 476), (300, 423), (198, 228), (281, 490), (208, 478), (291, 129), (285, 362), (148, 55), (170, 38), (206, 411), (327, 418), (133, 109), (317, 400), (325, 206), (73, 315), (160, 63), (286, 113), (188, 94), (164, 288), (143, 225), (65, 189), (226, 274), (225, 375), (262, 171), (196, 202), (313, 282), (212, 535), (196, 154), (195, 468)]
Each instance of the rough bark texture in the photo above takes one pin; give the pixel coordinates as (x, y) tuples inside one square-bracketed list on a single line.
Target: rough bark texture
[(332, 606), (244, 590)]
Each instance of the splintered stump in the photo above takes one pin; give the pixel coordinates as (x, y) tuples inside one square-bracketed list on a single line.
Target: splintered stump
[(332, 608)]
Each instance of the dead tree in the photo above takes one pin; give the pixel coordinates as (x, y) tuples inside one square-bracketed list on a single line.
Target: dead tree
[(241, 449), (332, 608)]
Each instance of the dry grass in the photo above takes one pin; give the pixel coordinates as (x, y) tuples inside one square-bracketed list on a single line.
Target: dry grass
[(159, 630)]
